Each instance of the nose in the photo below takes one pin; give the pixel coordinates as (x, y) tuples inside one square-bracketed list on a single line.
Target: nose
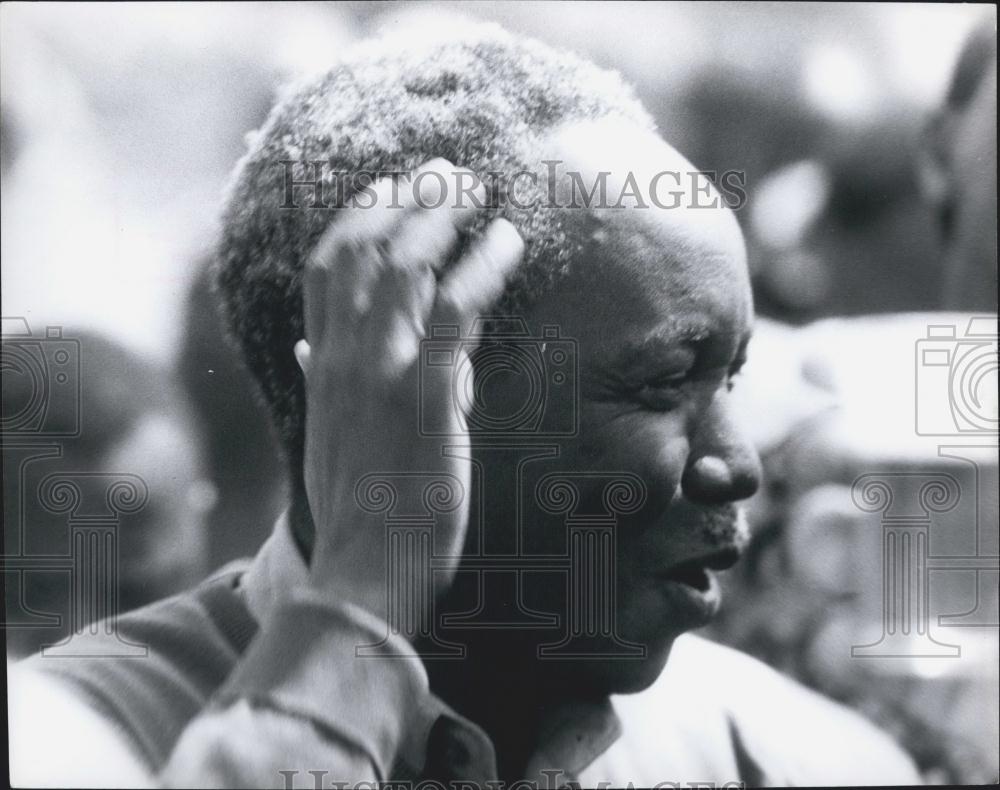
[(723, 466)]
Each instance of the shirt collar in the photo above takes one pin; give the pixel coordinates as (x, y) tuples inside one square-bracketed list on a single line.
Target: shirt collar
[(274, 572), (571, 737)]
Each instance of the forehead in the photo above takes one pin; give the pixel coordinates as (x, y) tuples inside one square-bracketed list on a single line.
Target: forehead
[(677, 268)]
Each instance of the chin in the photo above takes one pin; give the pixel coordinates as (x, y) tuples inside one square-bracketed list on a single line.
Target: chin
[(631, 677), (602, 677)]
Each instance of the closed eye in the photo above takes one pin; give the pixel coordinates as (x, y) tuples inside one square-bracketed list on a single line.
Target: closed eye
[(662, 392), (672, 379)]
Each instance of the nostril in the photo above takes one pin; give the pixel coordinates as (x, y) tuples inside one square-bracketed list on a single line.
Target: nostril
[(745, 484)]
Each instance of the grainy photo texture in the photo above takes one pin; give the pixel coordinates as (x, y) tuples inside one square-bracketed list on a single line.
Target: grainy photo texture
[(499, 396)]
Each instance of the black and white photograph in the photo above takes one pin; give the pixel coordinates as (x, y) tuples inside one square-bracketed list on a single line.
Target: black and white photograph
[(438, 395)]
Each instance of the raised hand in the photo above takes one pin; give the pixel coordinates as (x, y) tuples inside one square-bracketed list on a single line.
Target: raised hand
[(371, 294)]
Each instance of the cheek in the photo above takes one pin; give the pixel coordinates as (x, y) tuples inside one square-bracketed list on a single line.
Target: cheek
[(651, 445)]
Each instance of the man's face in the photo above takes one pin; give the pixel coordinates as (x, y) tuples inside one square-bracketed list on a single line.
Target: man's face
[(658, 304)]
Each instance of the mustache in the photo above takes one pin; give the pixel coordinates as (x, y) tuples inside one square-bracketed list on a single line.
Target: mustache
[(721, 525)]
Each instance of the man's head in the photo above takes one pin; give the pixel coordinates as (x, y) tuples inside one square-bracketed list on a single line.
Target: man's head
[(655, 298), (484, 101), (657, 304)]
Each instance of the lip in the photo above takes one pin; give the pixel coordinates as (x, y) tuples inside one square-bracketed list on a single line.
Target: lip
[(692, 588), (695, 607)]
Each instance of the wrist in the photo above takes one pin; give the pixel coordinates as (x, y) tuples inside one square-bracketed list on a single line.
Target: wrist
[(400, 594), (362, 587)]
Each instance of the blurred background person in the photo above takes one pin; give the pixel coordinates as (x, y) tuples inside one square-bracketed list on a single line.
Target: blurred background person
[(133, 420), (961, 175), (814, 580), (243, 462)]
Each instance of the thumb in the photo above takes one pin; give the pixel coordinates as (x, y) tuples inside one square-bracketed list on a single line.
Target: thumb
[(303, 355)]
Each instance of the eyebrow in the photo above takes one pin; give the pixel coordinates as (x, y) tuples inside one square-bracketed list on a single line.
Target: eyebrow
[(688, 335), (661, 343), (666, 336)]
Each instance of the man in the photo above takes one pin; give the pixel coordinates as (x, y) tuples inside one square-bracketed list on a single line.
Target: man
[(496, 657), (960, 174)]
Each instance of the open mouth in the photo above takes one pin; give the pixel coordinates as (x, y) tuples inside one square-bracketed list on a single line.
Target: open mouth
[(693, 576), (694, 572)]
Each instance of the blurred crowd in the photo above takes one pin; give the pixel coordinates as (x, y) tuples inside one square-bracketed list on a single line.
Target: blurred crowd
[(867, 136)]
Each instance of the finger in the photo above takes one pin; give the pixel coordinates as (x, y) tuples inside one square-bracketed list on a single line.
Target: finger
[(445, 206), (314, 287), (373, 211), (440, 184), (404, 294), (424, 241), (376, 209), (428, 235), (341, 268), (390, 334), (335, 292), (479, 278)]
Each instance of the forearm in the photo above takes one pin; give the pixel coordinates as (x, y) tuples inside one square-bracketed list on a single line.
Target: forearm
[(298, 700), (302, 700), (248, 745), (58, 740)]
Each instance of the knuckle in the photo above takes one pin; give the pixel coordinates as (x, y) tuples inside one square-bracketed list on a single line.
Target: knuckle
[(426, 246), (324, 250), (360, 232)]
